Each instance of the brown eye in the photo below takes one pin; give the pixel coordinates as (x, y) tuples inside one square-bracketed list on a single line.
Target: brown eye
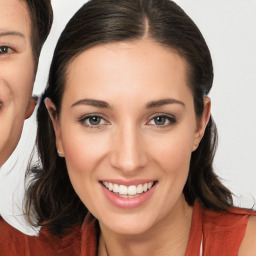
[(5, 49), (160, 120)]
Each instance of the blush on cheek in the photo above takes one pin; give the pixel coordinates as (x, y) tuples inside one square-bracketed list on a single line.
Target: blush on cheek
[(83, 154)]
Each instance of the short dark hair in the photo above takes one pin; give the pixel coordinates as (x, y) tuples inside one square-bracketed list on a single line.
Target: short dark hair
[(51, 196), (41, 16)]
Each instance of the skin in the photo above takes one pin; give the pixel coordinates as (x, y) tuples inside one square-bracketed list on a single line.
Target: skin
[(248, 245), (128, 144), (16, 73)]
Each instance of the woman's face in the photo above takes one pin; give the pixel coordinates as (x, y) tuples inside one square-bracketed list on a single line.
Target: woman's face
[(16, 73), (127, 128)]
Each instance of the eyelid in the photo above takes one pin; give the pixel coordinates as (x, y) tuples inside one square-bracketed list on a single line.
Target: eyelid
[(172, 119), (84, 117), (8, 46), (15, 46)]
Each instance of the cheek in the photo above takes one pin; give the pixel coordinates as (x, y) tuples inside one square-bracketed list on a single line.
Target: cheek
[(83, 153), (25, 80), (19, 74), (84, 156), (173, 152), (18, 77), (173, 157)]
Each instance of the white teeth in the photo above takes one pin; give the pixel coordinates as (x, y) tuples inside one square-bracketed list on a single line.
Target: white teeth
[(128, 191), (150, 184), (132, 190), (123, 190), (110, 186), (115, 188), (139, 189)]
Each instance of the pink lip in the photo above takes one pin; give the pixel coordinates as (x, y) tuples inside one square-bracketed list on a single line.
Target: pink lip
[(127, 203)]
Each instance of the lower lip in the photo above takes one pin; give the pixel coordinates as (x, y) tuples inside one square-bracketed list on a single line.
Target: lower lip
[(127, 203)]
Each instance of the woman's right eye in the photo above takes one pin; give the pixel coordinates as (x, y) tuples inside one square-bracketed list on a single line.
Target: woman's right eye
[(5, 49), (93, 121)]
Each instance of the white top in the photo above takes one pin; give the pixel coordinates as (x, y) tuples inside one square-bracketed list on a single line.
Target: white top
[(12, 191)]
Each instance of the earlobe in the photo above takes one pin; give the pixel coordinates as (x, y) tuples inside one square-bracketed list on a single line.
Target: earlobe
[(51, 108), (202, 122), (31, 106)]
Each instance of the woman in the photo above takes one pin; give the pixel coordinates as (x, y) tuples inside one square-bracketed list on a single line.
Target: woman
[(127, 141)]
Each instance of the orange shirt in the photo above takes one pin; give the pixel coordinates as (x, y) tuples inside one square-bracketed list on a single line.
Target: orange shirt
[(221, 233), (15, 243)]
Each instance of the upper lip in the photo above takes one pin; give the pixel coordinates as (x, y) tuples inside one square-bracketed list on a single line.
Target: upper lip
[(128, 182)]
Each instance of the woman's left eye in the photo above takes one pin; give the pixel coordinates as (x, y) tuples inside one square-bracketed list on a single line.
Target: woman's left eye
[(162, 120), (93, 121), (5, 49)]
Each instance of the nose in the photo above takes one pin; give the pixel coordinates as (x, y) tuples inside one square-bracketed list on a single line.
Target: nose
[(128, 151)]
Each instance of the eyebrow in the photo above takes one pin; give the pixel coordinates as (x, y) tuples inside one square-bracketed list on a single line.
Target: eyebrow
[(12, 33), (103, 104), (91, 102), (160, 103)]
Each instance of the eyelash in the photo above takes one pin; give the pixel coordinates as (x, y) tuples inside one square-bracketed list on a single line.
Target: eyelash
[(85, 118), (167, 118), (3, 48)]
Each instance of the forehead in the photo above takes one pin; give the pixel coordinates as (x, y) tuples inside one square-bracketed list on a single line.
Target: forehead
[(129, 67), (14, 16)]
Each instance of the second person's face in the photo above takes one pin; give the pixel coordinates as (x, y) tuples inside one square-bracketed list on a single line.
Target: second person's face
[(127, 128), (16, 73)]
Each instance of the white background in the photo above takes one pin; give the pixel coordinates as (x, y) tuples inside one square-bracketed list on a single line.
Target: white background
[(229, 27)]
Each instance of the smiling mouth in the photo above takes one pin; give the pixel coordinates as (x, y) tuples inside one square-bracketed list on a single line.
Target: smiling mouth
[(128, 191)]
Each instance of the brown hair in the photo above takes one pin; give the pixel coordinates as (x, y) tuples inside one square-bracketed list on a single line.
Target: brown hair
[(41, 16), (51, 196)]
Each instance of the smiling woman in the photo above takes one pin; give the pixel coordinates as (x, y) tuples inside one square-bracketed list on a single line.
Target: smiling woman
[(130, 137)]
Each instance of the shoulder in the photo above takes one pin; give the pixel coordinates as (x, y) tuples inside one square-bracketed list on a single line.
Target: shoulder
[(15, 243), (230, 230), (233, 216), (7, 231), (12, 242), (248, 245)]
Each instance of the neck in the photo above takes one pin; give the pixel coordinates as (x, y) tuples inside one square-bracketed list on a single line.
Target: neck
[(168, 237)]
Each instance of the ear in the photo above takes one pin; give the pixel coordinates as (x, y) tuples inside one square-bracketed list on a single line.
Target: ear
[(51, 108), (202, 123), (31, 106)]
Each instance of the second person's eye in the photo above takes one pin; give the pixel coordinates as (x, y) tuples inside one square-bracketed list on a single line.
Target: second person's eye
[(5, 49)]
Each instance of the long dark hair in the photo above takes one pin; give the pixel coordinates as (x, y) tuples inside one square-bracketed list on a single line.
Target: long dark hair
[(51, 197)]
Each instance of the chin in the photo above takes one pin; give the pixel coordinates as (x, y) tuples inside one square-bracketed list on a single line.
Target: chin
[(128, 225)]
